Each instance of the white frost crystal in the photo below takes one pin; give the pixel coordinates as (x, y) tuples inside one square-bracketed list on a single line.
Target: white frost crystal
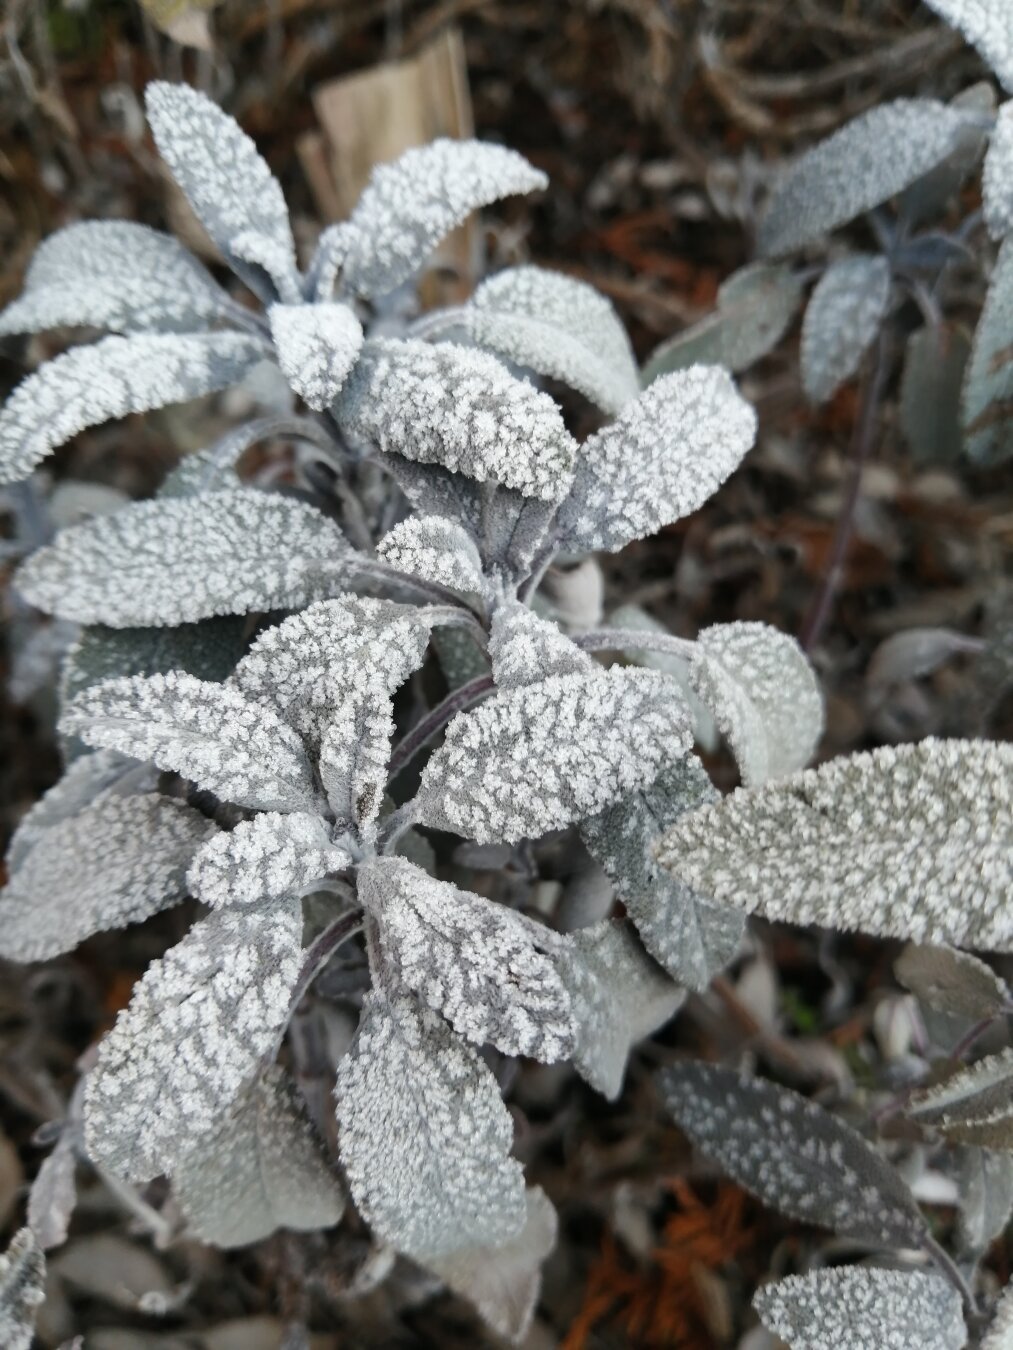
[(526, 649), (997, 183), (842, 319), (265, 858), (317, 346), (434, 548), (987, 25), (22, 1290)]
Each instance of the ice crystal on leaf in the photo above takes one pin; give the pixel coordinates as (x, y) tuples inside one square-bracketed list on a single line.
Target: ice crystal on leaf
[(183, 559), (543, 755), (843, 317), (997, 183), (192, 1036), (986, 25), (913, 841), (317, 346), (791, 1153), (266, 858), (434, 548), (425, 1138), (410, 205), (487, 969), (22, 1290), (116, 861), (525, 649), (1000, 1332), (863, 1308), (259, 1169), (660, 460), (974, 1105)]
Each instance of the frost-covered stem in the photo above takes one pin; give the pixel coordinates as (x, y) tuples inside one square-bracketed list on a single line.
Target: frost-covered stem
[(861, 446), (626, 640), (316, 956), (394, 826), (157, 1224), (459, 700), (953, 1273), (431, 591), (436, 322)]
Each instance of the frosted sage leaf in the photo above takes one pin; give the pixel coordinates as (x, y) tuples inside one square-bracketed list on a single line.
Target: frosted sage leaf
[(22, 1290), (434, 548), (985, 24), (438, 492), (179, 560), (619, 996), (525, 649), (792, 1154), (913, 841), (461, 409), (997, 179), (234, 193), (193, 1034), (260, 1168), (119, 375), (934, 364), (503, 1282), (559, 327), (227, 744), (931, 196), (265, 858), (539, 757), (859, 167), (424, 1135), (863, 1308), (410, 205), (53, 1196), (631, 618), (117, 861), (689, 936), (116, 275), (486, 968), (317, 346), (842, 319), (755, 308), (954, 982), (988, 381), (1000, 1332), (974, 1105), (764, 696), (985, 1186), (660, 460)]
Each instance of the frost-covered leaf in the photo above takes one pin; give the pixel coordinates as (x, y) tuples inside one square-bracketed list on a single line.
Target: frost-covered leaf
[(689, 936), (764, 696), (486, 968), (857, 168), (424, 1135), (997, 176), (863, 1308), (503, 1282), (260, 1168), (53, 1196), (410, 205), (558, 326), (660, 460), (1000, 1332), (265, 858), (987, 25), (193, 1034), (317, 346), (116, 275), (988, 381), (985, 1187), (461, 409), (912, 841), (842, 319), (434, 548), (235, 195), (117, 861), (22, 1281), (539, 757), (934, 364), (179, 560), (930, 196), (226, 743), (526, 649), (755, 308), (631, 618), (119, 375), (974, 1105), (792, 1154), (954, 982), (619, 995)]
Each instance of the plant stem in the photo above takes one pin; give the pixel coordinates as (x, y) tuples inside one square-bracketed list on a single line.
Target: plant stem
[(628, 640), (316, 956), (861, 446), (459, 700)]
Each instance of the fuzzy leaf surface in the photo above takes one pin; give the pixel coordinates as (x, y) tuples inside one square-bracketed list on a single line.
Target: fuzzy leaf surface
[(975, 1104), (209, 733), (410, 205), (193, 1034), (559, 327), (952, 981), (90, 385), (986, 25), (1000, 1332), (179, 560), (525, 649), (434, 548), (265, 858), (792, 1154), (862, 1308), (988, 381), (261, 1168), (22, 1290), (842, 319), (632, 618), (542, 756), (997, 176), (317, 346), (486, 968), (460, 409), (425, 1137), (985, 1187), (934, 364), (912, 841), (764, 696), (660, 460)]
